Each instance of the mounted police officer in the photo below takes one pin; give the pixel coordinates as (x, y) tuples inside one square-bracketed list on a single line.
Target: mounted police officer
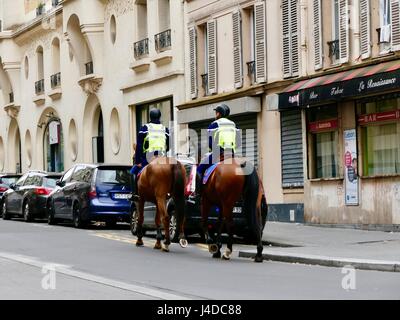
[(152, 141), (223, 139)]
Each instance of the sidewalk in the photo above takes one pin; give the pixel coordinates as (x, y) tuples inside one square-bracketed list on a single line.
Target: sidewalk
[(333, 247)]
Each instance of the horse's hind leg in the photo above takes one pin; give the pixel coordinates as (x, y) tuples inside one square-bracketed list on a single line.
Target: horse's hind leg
[(220, 225), (205, 210), (258, 234), (139, 242), (227, 213), (159, 237), (163, 216)]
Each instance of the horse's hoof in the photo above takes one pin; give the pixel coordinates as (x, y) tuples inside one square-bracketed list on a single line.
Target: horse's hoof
[(183, 243), (217, 255), (139, 243), (213, 248), (258, 259), (165, 249), (157, 246), (226, 258)]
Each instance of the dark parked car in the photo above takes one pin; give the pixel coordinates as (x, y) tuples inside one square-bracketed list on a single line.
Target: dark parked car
[(88, 192), (27, 197), (7, 179), (193, 223)]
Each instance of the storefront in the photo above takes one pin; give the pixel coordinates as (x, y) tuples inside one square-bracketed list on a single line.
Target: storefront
[(351, 145)]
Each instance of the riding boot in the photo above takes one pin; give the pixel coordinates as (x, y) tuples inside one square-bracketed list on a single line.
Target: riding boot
[(199, 187), (135, 197)]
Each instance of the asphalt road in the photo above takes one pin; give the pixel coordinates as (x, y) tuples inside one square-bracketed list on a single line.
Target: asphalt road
[(101, 263)]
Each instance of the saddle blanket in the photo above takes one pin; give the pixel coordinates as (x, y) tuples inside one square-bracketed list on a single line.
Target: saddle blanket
[(140, 172), (208, 173)]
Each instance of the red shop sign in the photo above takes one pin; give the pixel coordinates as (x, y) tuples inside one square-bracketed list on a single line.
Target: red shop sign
[(323, 125), (379, 117)]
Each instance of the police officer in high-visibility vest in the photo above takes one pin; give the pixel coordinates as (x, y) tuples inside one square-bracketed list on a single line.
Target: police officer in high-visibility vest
[(152, 141), (223, 140)]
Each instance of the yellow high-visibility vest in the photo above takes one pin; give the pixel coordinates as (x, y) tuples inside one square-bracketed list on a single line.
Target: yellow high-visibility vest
[(156, 138), (226, 133)]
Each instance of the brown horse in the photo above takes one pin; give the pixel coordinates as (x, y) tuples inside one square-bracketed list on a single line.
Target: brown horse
[(162, 178), (231, 180)]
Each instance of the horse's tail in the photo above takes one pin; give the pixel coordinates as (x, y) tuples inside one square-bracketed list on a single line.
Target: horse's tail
[(178, 193), (250, 197)]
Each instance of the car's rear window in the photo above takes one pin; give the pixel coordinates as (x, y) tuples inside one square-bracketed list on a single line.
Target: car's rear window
[(50, 182), (9, 180), (114, 176)]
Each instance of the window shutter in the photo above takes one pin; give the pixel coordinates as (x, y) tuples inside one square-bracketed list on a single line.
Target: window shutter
[(193, 62), (290, 22), (365, 29), (260, 48), (237, 49), (317, 35), (395, 18), (295, 36), (287, 70), (343, 31), (212, 56)]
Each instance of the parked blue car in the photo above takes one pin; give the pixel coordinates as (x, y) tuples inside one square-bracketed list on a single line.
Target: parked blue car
[(88, 192)]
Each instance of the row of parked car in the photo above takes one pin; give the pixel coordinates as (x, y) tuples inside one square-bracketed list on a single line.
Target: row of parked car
[(87, 193)]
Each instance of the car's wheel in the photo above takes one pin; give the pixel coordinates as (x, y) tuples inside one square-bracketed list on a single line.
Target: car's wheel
[(51, 220), (173, 228), (6, 216), (27, 212), (79, 223)]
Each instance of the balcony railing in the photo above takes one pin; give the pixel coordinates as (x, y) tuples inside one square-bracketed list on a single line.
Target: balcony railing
[(334, 51), (204, 82), (39, 87), (11, 97), (55, 80), (40, 10), (251, 71), (89, 68), (141, 48), (162, 40)]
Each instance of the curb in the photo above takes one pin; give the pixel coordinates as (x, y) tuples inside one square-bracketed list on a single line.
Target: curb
[(361, 264)]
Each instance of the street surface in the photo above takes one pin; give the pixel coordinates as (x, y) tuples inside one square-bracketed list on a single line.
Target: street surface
[(101, 263)]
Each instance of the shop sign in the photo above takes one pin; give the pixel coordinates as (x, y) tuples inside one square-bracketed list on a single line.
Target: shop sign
[(54, 136), (323, 125), (379, 117), (351, 169)]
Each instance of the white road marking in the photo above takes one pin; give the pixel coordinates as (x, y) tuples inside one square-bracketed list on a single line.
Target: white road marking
[(69, 271)]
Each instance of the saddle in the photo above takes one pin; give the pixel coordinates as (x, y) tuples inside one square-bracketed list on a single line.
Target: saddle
[(208, 172)]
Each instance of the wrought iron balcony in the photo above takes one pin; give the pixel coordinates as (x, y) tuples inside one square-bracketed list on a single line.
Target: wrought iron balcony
[(40, 10), (55, 80), (89, 68), (141, 48), (11, 97), (334, 51), (162, 40), (39, 87), (251, 71)]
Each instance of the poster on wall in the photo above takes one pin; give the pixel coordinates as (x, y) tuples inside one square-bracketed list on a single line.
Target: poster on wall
[(54, 133), (351, 170)]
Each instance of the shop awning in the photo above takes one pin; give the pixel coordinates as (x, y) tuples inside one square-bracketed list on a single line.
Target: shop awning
[(333, 87)]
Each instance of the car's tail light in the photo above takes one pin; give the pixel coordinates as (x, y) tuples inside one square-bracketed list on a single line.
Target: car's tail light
[(191, 185), (3, 189), (42, 191), (92, 194)]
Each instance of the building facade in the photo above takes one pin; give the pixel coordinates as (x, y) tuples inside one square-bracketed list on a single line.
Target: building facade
[(78, 77), (347, 91)]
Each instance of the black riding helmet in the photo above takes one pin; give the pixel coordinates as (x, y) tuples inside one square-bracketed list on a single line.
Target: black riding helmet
[(223, 109), (155, 114)]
